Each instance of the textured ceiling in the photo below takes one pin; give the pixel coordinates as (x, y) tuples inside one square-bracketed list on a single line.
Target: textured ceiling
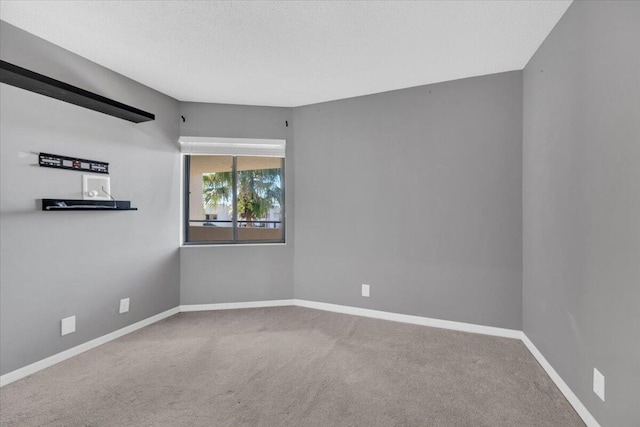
[(291, 53)]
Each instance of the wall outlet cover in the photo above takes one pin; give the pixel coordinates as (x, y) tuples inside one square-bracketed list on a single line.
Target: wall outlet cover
[(598, 383), (67, 325), (96, 187), (366, 290), (124, 305)]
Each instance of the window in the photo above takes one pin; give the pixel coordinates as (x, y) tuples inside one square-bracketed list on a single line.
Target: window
[(235, 197)]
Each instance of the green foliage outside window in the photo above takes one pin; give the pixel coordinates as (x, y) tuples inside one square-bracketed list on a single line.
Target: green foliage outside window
[(258, 191)]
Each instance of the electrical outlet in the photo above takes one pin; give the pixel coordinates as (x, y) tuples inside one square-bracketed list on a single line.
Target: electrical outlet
[(366, 290), (67, 325), (598, 383), (124, 305)]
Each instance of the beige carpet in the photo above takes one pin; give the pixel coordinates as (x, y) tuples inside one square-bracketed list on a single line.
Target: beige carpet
[(291, 366)]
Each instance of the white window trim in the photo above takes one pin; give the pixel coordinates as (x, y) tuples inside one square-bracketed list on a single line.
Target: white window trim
[(199, 145)]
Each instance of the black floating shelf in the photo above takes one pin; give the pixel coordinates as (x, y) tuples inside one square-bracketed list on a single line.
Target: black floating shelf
[(51, 205), (21, 77)]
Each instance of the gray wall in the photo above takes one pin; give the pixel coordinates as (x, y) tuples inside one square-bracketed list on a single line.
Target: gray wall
[(58, 264), (582, 204), (235, 273), (417, 192)]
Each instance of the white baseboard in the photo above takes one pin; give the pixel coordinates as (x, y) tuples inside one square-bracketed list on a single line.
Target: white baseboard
[(584, 413), (364, 312), (236, 305), (57, 358), (416, 320)]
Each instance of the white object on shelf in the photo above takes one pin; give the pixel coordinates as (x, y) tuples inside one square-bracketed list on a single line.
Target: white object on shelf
[(96, 187)]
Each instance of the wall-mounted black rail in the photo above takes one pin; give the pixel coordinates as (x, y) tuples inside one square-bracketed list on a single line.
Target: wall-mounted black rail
[(21, 77), (86, 205), (72, 163)]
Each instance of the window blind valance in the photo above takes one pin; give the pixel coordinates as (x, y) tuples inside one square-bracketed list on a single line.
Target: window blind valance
[(199, 145)]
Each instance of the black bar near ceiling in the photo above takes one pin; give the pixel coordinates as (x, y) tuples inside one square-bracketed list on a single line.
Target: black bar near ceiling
[(21, 77)]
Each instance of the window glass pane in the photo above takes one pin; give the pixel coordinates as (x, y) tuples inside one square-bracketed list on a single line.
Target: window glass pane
[(211, 199), (217, 214), (260, 199)]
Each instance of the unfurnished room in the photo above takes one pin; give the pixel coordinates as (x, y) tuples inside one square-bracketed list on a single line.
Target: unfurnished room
[(320, 213)]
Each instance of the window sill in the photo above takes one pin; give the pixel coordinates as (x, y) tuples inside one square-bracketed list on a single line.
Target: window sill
[(233, 245)]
